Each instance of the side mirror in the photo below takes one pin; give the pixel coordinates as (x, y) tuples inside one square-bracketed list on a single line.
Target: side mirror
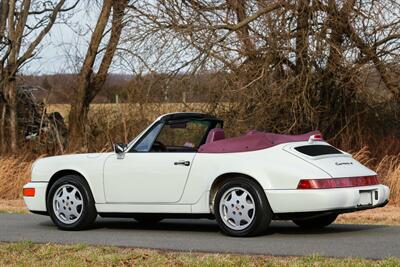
[(119, 149)]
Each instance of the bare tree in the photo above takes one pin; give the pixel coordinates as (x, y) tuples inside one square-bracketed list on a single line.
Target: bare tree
[(91, 82), (292, 64), (23, 26)]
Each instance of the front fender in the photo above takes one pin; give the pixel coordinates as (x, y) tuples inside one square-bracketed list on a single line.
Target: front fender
[(91, 168)]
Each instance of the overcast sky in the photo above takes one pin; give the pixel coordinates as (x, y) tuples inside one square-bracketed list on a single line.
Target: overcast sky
[(64, 44)]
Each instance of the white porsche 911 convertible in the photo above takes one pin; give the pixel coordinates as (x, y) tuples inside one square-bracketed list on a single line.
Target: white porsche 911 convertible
[(183, 166)]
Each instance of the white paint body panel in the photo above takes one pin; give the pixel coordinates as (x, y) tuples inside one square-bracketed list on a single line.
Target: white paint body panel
[(89, 166), (37, 203), (151, 183), (146, 177), (284, 201), (336, 165)]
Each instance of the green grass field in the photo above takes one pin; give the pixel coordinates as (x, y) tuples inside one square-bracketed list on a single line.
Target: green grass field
[(28, 254)]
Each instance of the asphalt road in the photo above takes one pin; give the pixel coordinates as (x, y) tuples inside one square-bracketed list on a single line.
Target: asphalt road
[(283, 238)]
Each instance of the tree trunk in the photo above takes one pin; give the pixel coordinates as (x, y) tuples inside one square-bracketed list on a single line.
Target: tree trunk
[(335, 22), (302, 31), (80, 108), (89, 83), (10, 94), (239, 7), (77, 126), (2, 127), (13, 129)]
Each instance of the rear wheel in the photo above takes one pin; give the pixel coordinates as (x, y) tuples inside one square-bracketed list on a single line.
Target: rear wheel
[(241, 208), (71, 204), (316, 223)]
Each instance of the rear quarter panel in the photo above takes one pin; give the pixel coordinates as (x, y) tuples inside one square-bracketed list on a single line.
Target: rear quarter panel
[(336, 165), (273, 168)]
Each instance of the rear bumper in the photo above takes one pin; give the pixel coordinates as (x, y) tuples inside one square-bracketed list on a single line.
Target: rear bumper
[(37, 203), (313, 214), (319, 200)]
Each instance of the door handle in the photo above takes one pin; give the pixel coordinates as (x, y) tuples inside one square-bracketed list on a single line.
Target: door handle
[(182, 162)]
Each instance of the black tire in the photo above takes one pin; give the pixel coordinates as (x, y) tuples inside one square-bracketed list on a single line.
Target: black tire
[(261, 217), (317, 222), (88, 210), (148, 219)]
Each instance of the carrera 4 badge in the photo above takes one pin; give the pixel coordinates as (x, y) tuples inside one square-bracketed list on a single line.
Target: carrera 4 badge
[(343, 163)]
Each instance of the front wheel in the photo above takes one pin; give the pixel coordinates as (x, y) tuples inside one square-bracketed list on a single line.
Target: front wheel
[(316, 223), (241, 208), (70, 203)]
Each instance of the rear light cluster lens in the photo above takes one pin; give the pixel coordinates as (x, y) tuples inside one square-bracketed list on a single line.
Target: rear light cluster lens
[(317, 137), (338, 182), (28, 192)]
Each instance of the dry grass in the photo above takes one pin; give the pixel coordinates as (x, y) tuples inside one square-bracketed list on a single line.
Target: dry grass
[(148, 111), (388, 169), (13, 206), (14, 173), (389, 215), (119, 123), (29, 254)]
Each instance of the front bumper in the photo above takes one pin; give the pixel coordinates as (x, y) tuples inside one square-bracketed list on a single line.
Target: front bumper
[(319, 200), (36, 203)]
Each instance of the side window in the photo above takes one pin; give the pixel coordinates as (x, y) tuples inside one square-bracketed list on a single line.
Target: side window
[(145, 144), (182, 136)]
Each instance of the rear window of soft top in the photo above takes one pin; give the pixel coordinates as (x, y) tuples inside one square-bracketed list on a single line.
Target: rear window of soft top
[(317, 150)]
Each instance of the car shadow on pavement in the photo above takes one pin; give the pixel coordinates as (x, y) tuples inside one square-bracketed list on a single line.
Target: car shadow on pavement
[(191, 225), (210, 226), (288, 228)]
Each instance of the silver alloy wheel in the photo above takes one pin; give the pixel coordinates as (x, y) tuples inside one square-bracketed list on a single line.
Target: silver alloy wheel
[(68, 204), (237, 208)]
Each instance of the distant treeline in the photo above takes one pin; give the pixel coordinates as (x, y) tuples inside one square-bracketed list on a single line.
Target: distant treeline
[(58, 88), (162, 88)]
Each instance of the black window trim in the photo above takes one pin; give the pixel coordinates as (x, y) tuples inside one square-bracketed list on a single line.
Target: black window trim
[(132, 149), (214, 122), (322, 150)]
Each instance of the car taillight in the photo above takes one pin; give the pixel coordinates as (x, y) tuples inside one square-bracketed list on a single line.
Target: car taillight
[(338, 182), (28, 192)]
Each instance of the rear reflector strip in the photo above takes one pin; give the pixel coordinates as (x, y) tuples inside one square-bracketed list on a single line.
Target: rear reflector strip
[(28, 192), (338, 182)]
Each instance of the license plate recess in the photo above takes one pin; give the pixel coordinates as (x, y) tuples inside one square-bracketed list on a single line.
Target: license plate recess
[(365, 198)]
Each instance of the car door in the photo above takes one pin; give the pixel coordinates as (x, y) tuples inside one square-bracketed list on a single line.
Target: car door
[(146, 177), (157, 167)]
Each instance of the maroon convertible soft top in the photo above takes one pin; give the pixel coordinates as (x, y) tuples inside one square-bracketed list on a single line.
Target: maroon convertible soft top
[(253, 140)]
